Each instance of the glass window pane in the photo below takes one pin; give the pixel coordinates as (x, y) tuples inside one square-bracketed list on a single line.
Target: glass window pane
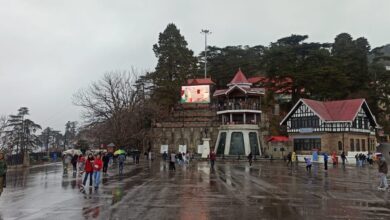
[(221, 143), (254, 145), (237, 146)]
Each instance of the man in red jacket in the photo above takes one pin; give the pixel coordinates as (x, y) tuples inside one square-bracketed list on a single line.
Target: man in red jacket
[(97, 167), (213, 157), (88, 170)]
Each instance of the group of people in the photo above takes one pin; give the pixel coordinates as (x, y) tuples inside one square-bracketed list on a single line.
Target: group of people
[(91, 166), (179, 158), (362, 159)]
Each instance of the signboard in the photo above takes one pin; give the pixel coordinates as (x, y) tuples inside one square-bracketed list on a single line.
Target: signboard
[(200, 149), (183, 148), (195, 94), (164, 148), (306, 130)]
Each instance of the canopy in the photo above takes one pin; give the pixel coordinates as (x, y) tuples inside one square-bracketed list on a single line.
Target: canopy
[(73, 152)]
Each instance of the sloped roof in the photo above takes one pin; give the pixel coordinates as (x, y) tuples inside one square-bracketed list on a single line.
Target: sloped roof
[(239, 78), (257, 79), (256, 91), (200, 81), (341, 110)]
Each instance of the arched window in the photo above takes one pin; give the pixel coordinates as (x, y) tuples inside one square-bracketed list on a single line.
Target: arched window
[(340, 144)]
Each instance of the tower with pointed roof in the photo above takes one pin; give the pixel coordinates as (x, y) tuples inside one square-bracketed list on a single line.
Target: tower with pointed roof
[(239, 111)]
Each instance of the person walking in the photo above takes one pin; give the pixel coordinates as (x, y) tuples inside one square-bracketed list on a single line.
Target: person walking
[(213, 158), (308, 164), (293, 158), (137, 155), (343, 158), (106, 160), (74, 160), (88, 170), (325, 161), (3, 172), (97, 167), (121, 160), (334, 158), (66, 160), (81, 162), (172, 162), (250, 157), (382, 169), (289, 158), (165, 156)]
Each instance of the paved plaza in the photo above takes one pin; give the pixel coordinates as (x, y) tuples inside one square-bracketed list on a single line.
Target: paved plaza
[(267, 190)]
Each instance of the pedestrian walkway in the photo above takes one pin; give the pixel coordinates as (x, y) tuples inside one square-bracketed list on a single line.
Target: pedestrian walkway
[(268, 190)]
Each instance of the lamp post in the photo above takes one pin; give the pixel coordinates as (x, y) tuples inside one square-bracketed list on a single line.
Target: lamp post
[(205, 32)]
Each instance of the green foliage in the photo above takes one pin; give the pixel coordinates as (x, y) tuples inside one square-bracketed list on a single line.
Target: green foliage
[(222, 63), (21, 131), (310, 66), (176, 63)]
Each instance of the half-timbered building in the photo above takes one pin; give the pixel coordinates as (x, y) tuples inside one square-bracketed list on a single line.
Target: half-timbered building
[(346, 125)]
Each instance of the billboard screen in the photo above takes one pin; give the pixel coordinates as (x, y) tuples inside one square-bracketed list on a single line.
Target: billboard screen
[(195, 94)]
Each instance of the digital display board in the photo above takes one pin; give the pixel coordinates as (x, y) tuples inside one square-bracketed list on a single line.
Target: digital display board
[(195, 94)]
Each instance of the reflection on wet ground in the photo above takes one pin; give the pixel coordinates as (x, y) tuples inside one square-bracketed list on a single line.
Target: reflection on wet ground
[(231, 191)]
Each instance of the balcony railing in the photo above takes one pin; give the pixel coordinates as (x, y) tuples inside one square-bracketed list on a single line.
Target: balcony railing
[(239, 106)]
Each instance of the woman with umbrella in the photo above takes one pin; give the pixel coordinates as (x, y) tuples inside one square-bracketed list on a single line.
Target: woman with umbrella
[(121, 159)]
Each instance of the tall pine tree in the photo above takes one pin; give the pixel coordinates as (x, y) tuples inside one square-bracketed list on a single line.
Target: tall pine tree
[(176, 63)]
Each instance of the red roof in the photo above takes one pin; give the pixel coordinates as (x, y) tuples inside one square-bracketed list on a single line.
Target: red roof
[(278, 139), (256, 79), (239, 78), (343, 110), (200, 81)]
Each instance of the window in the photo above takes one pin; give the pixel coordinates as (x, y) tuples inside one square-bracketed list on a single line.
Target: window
[(254, 143), (354, 124), (363, 145), (352, 144), (340, 146), (301, 144), (365, 123), (221, 143), (237, 146), (357, 145)]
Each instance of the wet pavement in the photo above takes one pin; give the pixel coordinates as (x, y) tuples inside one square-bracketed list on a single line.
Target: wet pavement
[(267, 190)]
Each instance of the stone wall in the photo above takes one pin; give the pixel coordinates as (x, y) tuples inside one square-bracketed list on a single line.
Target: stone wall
[(190, 136), (187, 125)]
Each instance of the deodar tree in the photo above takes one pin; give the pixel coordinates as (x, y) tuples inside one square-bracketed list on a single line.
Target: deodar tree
[(176, 63)]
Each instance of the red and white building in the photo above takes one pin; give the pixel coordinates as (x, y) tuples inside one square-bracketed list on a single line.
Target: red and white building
[(345, 125), (239, 113)]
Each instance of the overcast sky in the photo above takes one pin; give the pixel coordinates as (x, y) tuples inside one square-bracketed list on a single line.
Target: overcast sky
[(51, 48)]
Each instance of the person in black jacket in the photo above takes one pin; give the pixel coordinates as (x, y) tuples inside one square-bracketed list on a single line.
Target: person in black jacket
[(74, 161), (106, 161), (250, 157)]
